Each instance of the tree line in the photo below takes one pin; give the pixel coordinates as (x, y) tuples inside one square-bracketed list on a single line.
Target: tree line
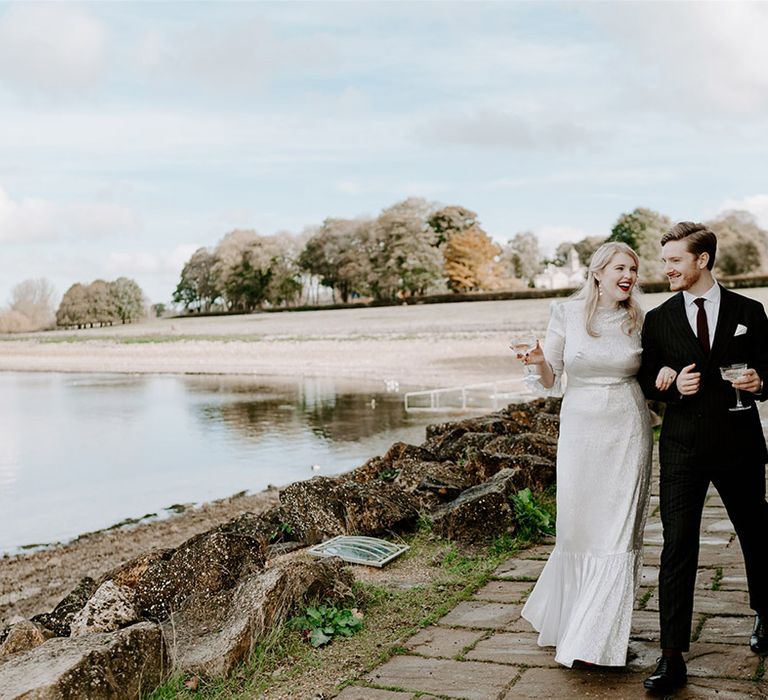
[(414, 248), (101, 303)]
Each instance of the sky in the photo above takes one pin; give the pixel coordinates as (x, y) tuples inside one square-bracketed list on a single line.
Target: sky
[(132, 133)]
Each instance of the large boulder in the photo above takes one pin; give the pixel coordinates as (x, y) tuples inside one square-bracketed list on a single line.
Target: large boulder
[(23, 636), (536, 454), (127, 664), (481, 512), (59, 619), (109, 608), (324, 507), (205, 564), (209, 636)]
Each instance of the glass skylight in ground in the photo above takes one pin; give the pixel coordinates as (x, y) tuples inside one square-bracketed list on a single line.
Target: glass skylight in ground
[(359, 550)]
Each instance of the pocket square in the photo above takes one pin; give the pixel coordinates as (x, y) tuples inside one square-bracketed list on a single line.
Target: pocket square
[(740, 330)]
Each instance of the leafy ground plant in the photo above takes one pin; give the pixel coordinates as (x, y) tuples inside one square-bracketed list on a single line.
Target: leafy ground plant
[(534, 518), (320, 624)]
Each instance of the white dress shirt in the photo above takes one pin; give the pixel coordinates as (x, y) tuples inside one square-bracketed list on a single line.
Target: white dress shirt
[(711, 308)]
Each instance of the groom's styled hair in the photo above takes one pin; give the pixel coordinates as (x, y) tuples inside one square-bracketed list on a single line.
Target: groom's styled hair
[(698, 237)]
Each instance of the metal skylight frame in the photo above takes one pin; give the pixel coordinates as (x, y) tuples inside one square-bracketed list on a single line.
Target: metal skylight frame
[(370, 551)]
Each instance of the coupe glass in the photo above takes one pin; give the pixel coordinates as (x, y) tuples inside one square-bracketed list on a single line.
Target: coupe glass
[(731, 373), (522, 343)]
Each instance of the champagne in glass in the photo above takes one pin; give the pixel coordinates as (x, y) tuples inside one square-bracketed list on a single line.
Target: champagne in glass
[(522, 343), (731, 373)]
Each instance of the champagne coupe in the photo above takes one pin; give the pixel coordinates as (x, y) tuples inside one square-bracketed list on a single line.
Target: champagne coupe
[(731, 373), (522, 343)]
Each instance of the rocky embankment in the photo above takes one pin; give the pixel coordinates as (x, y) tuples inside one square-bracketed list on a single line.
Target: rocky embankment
[(199, 608)]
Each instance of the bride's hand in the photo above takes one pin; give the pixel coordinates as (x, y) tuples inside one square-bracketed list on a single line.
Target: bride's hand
[(535, 356), (665, 378)]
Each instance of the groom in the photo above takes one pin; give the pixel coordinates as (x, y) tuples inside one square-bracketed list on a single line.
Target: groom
[(696, 332)]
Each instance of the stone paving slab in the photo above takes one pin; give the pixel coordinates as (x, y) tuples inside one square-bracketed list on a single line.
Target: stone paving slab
[(719, 525), (649, 575), (469, 680), (728, 630), (711, 660), (617, 685), (575, 683), (527, 569), (360, 693), (734, 580), (480, 615), (443, 642), (513, 648), (711, 602), (645, 625), (504, 591)]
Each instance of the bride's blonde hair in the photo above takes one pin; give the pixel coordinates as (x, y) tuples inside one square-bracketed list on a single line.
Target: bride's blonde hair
[(590, 290)]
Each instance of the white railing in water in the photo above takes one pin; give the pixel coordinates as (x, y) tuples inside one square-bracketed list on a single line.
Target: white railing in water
[(471, 397)]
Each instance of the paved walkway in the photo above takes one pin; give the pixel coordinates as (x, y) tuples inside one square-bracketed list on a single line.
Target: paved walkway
[(484, 650)]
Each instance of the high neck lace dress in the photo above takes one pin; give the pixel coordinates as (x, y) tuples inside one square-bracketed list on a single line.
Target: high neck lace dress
[(582, 603)]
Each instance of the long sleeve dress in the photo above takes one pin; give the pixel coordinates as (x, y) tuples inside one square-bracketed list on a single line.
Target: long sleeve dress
[(582, 602)]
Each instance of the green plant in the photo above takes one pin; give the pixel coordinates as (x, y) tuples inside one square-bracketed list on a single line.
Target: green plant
[(388, 474), (532, 516), (280, 532), (320, 624)]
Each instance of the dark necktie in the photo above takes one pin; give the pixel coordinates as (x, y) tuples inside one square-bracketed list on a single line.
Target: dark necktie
[(702, 327)]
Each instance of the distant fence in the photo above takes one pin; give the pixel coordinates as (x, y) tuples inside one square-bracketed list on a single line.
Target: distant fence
[(471, 397)]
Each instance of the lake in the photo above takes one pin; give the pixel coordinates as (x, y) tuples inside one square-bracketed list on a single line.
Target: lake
[(80, 452)]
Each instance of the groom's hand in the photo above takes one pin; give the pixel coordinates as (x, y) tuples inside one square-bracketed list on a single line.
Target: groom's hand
[(688, 380), (750, 381)]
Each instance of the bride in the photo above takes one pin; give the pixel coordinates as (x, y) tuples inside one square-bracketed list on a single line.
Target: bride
[(582, 603)]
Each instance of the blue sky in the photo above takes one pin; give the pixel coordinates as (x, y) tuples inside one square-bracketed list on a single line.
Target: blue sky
[(134, 132)]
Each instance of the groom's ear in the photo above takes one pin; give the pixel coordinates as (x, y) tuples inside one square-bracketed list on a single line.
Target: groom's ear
[(703, 260)]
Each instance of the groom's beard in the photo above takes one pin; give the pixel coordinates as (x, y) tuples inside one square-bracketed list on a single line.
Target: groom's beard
[(683, 280)]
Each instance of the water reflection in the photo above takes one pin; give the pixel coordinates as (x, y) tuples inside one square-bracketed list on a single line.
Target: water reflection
[(87, 451)]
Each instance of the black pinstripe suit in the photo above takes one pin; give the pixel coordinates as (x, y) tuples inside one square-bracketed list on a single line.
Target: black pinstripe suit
[(702, 442)]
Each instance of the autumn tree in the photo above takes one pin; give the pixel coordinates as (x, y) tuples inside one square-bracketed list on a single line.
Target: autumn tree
[(642, 229), (471, 261), (73, 308), (469, 254)]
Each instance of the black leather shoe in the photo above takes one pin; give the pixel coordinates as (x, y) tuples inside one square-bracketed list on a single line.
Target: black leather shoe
[(669, 675), (758, 642)]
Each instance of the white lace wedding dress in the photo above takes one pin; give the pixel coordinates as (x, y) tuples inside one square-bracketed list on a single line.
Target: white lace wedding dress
[(582, 603)]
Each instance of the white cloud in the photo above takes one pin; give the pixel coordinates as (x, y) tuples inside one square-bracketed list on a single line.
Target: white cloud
[(43, 220), (491, 129), (156, 262), (695, 57), (756, 204), (51, 48), (227, 56)]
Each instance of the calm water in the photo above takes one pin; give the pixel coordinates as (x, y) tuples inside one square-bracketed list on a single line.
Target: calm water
[(82, 452)]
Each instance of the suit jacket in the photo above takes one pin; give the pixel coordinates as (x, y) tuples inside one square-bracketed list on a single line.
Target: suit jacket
[(699, 429)]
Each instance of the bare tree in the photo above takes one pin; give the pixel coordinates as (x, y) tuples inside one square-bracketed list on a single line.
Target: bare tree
[(33, 299), (521, 257)]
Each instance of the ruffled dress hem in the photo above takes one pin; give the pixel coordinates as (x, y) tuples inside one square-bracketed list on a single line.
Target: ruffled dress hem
[(579, 606)]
